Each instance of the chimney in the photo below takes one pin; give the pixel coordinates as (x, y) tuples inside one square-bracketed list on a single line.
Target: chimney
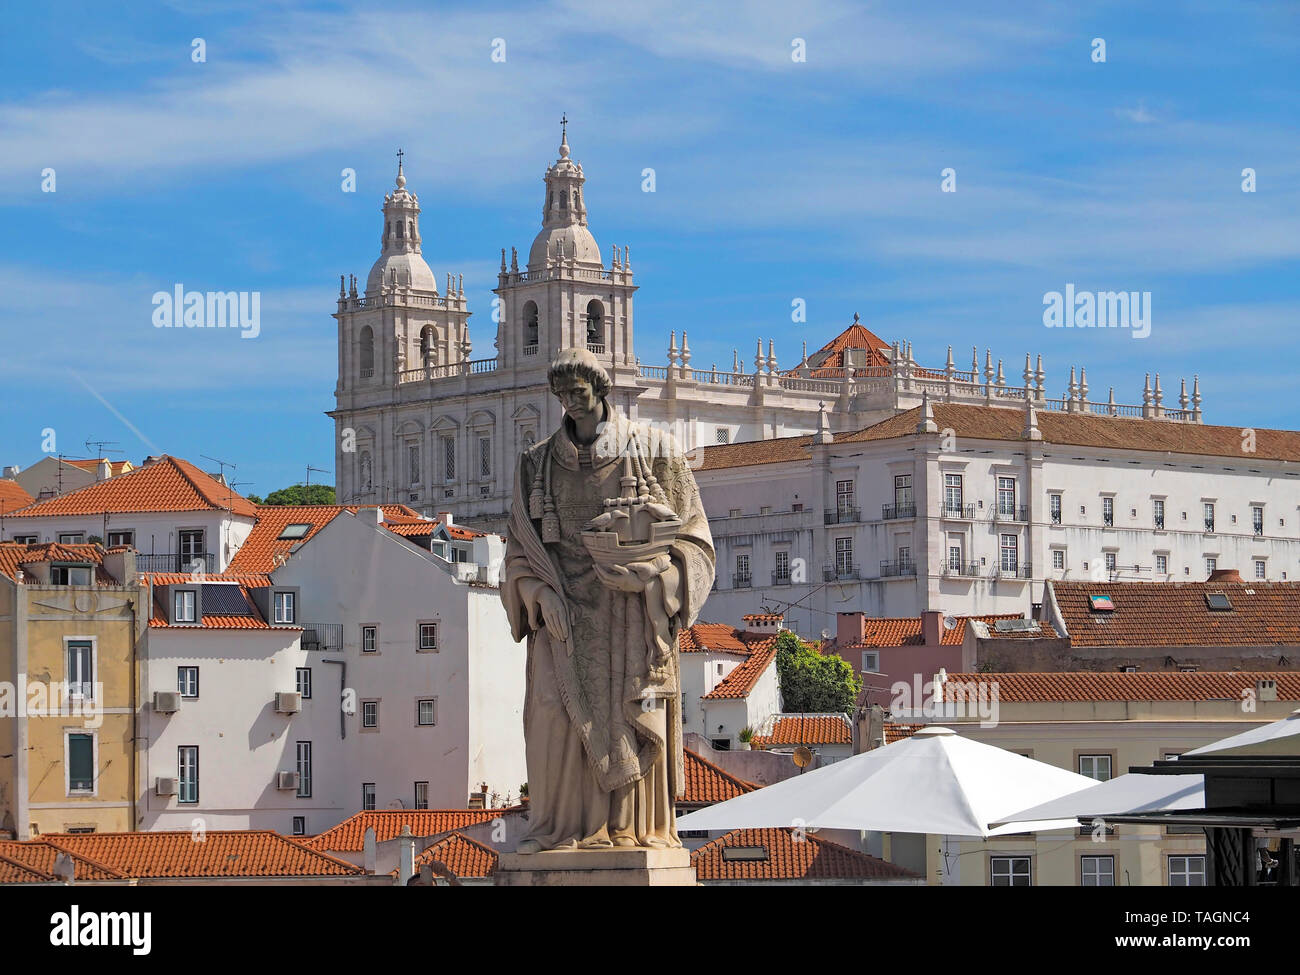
[(372, 515), (405, 855), (1225, 575), (932, 627), (369, 853), (849, 628), (150, 461), (762, 623), (445, 517), (13, 470), (104, 471)]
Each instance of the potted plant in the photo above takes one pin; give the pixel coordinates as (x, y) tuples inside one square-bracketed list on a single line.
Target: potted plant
[(746, 737)]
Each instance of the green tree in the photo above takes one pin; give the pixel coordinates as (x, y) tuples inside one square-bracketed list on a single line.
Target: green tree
[(298, 494), (814, 682)]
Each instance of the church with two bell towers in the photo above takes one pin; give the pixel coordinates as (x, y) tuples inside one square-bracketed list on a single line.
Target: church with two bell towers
[(422, 418)]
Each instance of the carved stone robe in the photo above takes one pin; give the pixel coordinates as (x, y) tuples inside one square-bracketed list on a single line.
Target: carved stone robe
[(602, 712)]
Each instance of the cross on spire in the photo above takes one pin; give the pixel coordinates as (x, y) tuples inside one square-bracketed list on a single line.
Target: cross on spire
[(400, 154), (564, 127)]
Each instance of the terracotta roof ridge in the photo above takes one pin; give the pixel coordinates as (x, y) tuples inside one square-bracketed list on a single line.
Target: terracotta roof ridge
[(27, 867), (97, 864), (718, 769)]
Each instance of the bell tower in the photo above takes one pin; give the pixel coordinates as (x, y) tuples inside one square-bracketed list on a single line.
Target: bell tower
[(564, 296)]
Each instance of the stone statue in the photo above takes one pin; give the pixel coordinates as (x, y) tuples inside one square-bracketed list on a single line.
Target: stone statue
[(608, 556)]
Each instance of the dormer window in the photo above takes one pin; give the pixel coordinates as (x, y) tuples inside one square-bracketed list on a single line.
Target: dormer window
[(69, 575), (295, 531), (184, 609), (284, 607)]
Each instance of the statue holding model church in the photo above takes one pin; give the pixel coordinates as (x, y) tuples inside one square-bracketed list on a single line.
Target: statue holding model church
[(608, 557)]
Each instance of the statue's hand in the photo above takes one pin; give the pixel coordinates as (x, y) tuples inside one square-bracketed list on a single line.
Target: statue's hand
[(634, 576), (554, 613)]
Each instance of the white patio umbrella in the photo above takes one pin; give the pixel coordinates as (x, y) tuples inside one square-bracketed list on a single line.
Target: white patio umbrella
[(1124, 794), (933, 782), (1279, 738)]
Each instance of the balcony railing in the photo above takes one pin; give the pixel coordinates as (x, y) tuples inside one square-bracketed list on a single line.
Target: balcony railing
[(1108, 520), (1160, 522), (322, 636), (1209, 526), (1014, 570), (897, 569), (780, 578), (175, 562), (1011, 513), (1259, 529), (962, 569), (889, 512), (966, 513), (739, 581), (842, 516), (841, 570), (596, 347), (530, 349)]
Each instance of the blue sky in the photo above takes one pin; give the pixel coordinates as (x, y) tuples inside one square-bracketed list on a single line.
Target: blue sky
[(775, 180)]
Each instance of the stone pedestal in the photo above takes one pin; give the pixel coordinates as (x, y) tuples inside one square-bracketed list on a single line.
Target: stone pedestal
[(596, 868)]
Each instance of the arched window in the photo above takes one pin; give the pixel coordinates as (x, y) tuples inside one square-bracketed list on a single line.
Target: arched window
[(427, 350), (530, 326), (596, 324), (364, 481), (401, 225), (564, 200), (576, 200), (410, 229), (367, 352)]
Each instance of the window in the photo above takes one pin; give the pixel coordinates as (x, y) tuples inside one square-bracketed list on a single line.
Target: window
[(426, 712), (27, 539), (844, 556), (721, 435), (1097, 871), (1095, 767), (954, 557), (952, 494), (902, 491), (303, 762), (183, 606), (595, 318), (871, 661), (1112, 561), (782, 565), (1009, 549), (121, 538), (1009, 871), (422, 795), (1058, 558), (299, 825), (81, 677), (367, 795), (530, 327), (413, 463), (187, 681), (191, 547), (284, 608), (1187, 871), (485, 457), (904, 556), (367, 352), (796, 507), (370, 714), (1209, 516), (1054, 508), (1007, 496), (720, 744), (69, 575), (1108, 512), (72, 538), (1162, 564), (1158, 513), (187, 767), (1211, 565), (1261, 569), (369, 641), (295, 531), (742, 568), (1257, 519), (449, 458), (428, 636), (302, 677), (735, 512), (844, 497), (81, 763)]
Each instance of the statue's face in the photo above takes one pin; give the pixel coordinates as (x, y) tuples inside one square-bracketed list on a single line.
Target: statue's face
[(577, 397)]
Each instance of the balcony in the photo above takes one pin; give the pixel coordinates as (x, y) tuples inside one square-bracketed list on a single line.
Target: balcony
[(963, 513), (1108, 520), (1011, 513), (1160, 523), (840, 571), (598, 348), (1259, 529), (323, 636), (780, 578), (1056, 517), (843, 516), (530, 349), (891, 512), (739, 581), (1015, 570), (888, 569), (175, 562), (962, 569), (1209, 526)]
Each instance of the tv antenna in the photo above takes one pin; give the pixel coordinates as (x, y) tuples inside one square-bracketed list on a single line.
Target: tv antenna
[(99, 447), (318, 470)]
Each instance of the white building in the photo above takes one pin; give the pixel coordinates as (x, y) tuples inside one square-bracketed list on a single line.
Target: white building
[(421, 421), (968, 509), (729, 678)]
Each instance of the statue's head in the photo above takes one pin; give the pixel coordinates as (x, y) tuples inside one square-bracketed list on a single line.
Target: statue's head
[(578, 381)]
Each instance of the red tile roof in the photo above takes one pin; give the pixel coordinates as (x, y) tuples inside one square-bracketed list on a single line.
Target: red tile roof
[(12, 496), (715, 637), (168, 484), (707, 783), (737, 684), (211, 621), (898, 730), (463, 856), (1117, 686), (14, 555), (827, 360), (115, 466), (1175, 614), (264, 550), (18, 872), (39, 855), (349, 835), (905, 631), (807, 729), (221, 853), (790, 858), (764, 617)]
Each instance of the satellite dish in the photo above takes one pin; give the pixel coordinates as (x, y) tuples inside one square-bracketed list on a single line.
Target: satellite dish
[(802, 756), (950, 622)]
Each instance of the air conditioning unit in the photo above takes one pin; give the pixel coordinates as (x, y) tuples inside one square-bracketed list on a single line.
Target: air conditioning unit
[(288, 702), (166, 702), (286, 780), (164, 786)]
